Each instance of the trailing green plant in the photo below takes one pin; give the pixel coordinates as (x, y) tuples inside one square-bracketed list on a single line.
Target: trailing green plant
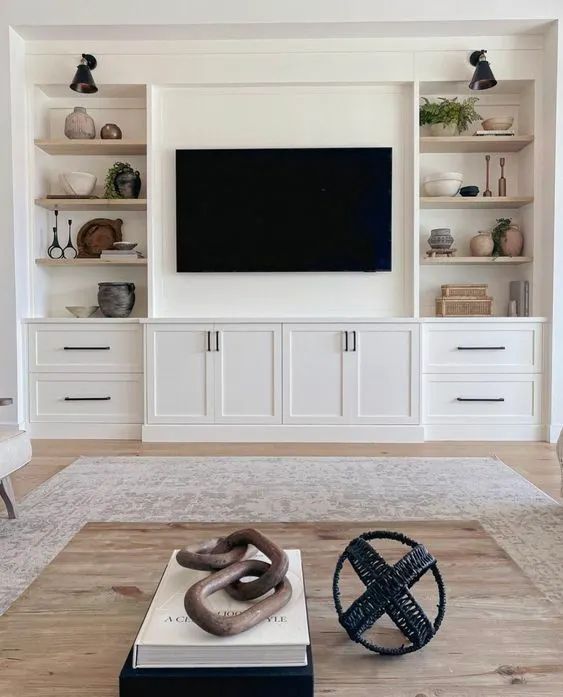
[(498, 234), (110, 191), (449, 111)]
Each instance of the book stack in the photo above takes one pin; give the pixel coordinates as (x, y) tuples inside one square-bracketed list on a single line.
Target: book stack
[(119, 254), (497, 132), (172, 656)]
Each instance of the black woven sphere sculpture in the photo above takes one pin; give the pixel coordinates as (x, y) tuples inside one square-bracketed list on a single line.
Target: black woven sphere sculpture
[(387, 592)]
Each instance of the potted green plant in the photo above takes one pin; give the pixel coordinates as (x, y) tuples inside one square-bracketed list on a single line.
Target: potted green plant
[(508, 239), (122, 181), (448, 117)]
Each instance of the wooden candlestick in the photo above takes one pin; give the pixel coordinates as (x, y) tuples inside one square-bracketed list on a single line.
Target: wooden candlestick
[(487, 191), (502, 180)]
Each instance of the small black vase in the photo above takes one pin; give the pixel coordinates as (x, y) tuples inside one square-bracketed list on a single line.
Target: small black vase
[(128, 183), (116, 299)]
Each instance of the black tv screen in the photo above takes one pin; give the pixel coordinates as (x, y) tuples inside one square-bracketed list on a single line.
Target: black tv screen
[(283, 210)]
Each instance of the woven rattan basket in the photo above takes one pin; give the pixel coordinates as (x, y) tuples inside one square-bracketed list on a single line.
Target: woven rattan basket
[(464, 290), (464, 307)]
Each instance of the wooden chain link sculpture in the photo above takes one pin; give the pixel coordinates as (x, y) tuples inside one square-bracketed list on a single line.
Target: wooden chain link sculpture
[(228, 560)]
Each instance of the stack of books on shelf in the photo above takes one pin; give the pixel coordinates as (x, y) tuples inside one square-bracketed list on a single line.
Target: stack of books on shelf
[(497, 132), (173, 657), (119, 254)]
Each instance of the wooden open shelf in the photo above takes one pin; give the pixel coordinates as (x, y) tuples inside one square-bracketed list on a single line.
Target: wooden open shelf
[(449, 202), (474, 261), (474, 143), (97, 146), (90, 262), (92, 204)]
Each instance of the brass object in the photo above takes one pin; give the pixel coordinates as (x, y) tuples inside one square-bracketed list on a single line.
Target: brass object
[(220, 625), (502, 180)]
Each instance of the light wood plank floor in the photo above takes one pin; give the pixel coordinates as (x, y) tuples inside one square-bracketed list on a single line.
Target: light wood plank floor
[(535, 461)]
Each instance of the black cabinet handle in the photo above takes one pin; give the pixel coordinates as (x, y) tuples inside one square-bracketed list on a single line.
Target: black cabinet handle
[(481, 348), (87, 399), (86, 348), (355, 340), (480, 399), (208, 340), (346, 341), (217, 341)]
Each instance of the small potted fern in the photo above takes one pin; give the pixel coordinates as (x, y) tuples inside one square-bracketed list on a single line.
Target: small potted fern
[(448, 117)]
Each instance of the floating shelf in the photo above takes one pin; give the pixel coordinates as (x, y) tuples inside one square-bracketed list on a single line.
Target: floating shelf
[(474, 143), (473, 261), (92, 204), (90, 262), (96, 146), (475, 201)]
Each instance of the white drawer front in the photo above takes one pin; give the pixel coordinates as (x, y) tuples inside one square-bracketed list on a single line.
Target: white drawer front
[(471, 399), (479, 348), (78, 398), (94, 348)]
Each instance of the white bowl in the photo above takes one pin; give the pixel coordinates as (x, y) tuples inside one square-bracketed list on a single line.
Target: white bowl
[(442, 184), (78, 183), (82, 310), (498, 123)]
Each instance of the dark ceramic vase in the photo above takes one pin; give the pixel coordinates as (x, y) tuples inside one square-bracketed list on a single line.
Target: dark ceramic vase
[(116, 299), (128, 183)]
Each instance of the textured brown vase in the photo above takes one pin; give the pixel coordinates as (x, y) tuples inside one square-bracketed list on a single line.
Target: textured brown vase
[(79, 125), (512, 242), (482, 245)]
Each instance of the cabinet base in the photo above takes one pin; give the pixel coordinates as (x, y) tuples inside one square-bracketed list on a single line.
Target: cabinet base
[(483, 432), (227, 433), (84, 431)]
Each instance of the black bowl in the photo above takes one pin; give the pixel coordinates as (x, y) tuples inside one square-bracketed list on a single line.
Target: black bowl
[(469, 191)]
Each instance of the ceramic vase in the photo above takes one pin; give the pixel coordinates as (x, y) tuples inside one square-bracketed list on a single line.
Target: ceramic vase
[(482, 245), (128, 183), (111, 131), (79, 125), (116, 299), (443, 129), (512, 242), (440, 238)]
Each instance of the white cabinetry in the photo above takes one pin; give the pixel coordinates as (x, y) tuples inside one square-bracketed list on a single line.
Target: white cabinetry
[(214, 373), (85, 379), (351, 374)]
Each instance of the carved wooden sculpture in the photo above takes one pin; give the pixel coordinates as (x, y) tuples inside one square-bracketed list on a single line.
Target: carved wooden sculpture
[(227, 558)]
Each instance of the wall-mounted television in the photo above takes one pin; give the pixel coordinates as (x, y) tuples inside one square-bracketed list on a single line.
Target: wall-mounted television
[(309, 209)]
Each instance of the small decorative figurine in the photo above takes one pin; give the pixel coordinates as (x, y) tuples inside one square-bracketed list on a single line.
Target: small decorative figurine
[(502, 180), (487, 191), (388, 592), (227, 558)]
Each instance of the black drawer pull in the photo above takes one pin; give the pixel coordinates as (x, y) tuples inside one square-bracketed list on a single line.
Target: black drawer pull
[(86, 348), (480, 399), (481, 348), (87, 399)]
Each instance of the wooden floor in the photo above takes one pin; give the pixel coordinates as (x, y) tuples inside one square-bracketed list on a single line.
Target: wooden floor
[(535, 461)]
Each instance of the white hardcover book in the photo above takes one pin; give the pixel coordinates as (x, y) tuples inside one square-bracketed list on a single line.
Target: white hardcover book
[(169, 639)]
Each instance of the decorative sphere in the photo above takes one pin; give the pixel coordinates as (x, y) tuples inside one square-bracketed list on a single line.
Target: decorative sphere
[(388, 592)]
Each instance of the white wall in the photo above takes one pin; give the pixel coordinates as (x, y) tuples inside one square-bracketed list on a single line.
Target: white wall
[(290, 117)]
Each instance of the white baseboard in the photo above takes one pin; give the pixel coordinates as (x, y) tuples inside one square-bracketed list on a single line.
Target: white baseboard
[(484, 432), (77, 430), (554, 431), (226, 433)]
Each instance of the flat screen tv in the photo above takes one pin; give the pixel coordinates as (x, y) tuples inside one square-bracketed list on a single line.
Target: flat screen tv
[(322, 209)]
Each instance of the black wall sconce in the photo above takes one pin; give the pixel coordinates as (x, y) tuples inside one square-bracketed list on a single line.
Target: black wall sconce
[(83, 81), (483, 78)]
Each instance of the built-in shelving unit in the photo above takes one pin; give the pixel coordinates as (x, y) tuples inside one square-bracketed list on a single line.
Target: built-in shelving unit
[(56, 283), (92, 204), (471, 144), (474, 261), (449, 202), (95, 146), (90, 262)]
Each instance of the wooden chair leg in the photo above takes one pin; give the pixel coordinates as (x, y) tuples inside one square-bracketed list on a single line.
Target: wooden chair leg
[(7, 494)]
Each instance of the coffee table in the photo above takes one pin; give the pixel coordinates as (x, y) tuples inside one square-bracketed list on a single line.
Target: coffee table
[(69, 634)]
